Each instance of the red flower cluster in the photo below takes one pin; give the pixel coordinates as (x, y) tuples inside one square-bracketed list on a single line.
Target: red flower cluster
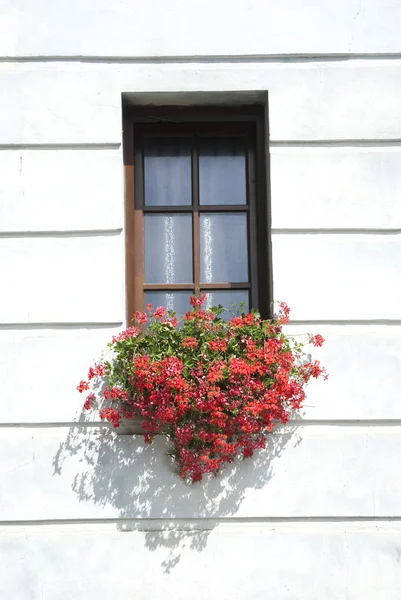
[(218, 345), (316, 340), (159, 312), (112, 415), (190, 342), (197, 301), (131, 332), (285, 313), (90, 399), (215, 388), (83, 386), (96, 371)]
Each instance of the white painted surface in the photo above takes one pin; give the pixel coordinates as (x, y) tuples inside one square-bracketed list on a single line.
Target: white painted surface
[(62, 279), (310, 471), (336, 187), (47, 364), (338, 277), (58, 103), (363, 363), (61, 190), (177, 27), (273, 560)]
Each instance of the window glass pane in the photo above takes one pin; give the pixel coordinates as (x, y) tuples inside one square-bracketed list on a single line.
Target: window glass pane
[(226, 298), (167, 164), (222, 171), (168, 248), (177, 301), (223, 248)]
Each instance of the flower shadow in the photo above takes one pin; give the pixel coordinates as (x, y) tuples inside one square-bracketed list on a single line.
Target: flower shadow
[(136, 485)]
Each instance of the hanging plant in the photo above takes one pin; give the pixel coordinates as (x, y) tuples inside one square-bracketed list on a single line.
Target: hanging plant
[(215, 388)]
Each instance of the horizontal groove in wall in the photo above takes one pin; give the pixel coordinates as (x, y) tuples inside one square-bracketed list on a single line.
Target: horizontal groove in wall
[(340, 143), (384, 143), (64, 146), (337, 231), (135, 427), (58, 425), (117, 231), (73, 233), (61, 326), (344, 322), (107, 324), (161, 524), (343, 423), (209, 58)]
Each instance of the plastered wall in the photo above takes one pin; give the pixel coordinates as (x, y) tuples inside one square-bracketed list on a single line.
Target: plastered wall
[(84, 515)]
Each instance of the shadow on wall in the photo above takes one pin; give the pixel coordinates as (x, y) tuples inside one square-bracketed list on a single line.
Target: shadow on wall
[(139, 481)]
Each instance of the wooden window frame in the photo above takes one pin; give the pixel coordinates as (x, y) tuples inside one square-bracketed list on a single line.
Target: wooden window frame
[(246, 121)]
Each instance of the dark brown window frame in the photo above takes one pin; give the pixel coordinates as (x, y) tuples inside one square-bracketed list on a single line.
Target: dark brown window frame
[(248, 121)]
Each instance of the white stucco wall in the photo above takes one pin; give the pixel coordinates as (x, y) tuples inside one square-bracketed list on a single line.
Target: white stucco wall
[(85, 516)]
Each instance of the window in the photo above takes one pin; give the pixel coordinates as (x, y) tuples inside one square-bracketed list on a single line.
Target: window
[(196, 211)]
